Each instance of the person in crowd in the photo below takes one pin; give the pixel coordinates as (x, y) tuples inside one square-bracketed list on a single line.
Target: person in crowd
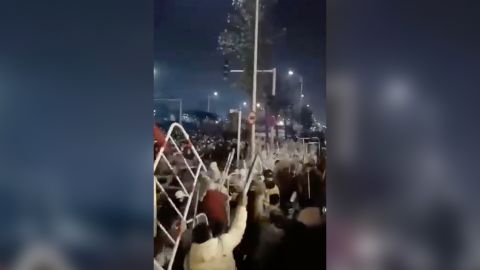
[(310, 187), (272, 192), (270, 236), (163, 249), (159, 139), (214, 205), (286, 182), (216, 253), (245, 252), (304, 243), (245, 150)]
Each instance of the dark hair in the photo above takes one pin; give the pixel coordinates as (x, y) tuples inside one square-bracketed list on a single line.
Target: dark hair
[(201, 233), (217, 228), (268, 173), (269, 184), (274, 199)]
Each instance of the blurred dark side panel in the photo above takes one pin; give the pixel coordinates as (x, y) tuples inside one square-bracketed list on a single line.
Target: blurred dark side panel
[(75, 133)]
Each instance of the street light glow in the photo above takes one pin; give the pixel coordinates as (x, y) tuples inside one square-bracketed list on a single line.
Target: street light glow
[(215, 93), (290, 72), (308, 105), (258, 105), (245, 104), (302, 96)]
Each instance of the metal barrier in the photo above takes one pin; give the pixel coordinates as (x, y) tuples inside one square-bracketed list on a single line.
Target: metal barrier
[(227, 167), (306, 142), (197, 217), (250, 174), (194, 172)]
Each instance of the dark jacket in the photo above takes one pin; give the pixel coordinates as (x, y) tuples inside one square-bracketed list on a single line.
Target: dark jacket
[(302, 248)]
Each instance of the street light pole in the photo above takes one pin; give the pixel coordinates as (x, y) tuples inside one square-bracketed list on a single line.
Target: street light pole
[(301, 90), (274, 82), (239, 135), (208, 103), (181, 112), (254, 89), (300, 78)]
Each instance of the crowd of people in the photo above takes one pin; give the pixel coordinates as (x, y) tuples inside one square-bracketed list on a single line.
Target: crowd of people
[(278, 223)]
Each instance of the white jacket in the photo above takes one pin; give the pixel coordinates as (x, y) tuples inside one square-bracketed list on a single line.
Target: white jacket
[(217, 253)]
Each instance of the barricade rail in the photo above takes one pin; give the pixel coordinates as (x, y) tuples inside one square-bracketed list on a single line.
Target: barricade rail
[(194, 172), (306, 142)]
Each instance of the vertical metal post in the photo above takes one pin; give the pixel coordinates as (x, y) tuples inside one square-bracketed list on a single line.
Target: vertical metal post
[(308, 179), (208, 103), (254, 89), (154, 208), (197, 198), (181, 112), (301, 92), (301, 85), (239, 136), (274, 90), (274, 82)]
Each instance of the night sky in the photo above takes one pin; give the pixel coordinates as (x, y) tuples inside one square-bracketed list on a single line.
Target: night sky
[(190, 67)]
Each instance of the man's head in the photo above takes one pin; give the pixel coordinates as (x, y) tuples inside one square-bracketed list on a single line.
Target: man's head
[(274, 199), (269, 184), (268, 174), (201, 233)]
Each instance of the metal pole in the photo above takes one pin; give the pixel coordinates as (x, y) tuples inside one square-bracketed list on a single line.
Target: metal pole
[(301, 91), (197, 198), (208, 103), (181, 112), (274, 82), (154, 207), (239, 136), (308, 178), (301, 84), (254, 89), (274, 92)]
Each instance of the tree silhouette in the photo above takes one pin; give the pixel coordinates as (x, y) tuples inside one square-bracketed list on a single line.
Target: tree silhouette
[(306, 117), (236, 42)]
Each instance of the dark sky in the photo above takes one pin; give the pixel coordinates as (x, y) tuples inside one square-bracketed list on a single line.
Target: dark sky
[(190, 67)]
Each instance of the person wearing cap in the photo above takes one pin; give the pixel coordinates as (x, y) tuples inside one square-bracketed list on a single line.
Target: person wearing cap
[(272, 192)]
